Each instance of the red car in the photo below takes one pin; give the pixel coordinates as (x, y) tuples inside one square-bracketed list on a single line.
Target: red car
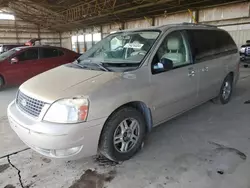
[(19, 64)]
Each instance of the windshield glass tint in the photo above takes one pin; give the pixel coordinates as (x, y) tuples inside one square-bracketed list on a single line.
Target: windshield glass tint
[(7, 54), (122, 47)]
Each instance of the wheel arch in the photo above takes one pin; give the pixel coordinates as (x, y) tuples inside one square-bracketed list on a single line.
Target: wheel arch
[(231, 74), (141, 107), (233, 77)]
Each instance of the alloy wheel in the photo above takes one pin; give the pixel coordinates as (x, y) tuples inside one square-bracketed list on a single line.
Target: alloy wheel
[(226, 91), (126, 135)]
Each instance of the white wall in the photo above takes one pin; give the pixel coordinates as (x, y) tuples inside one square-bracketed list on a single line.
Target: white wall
[(66, 40), (138, 24), (240, 33), (173, 18), (18, 32), (233, 18)]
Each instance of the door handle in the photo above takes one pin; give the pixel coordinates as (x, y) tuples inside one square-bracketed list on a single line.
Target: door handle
[(205, 69), (191, 73)]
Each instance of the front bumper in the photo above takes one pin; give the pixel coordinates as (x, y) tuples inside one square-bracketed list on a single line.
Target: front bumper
[(69, 141), (245, 59)]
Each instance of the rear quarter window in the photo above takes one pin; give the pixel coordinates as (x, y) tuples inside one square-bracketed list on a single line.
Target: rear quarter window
[(210, 43), (60, 53), (48, 52)]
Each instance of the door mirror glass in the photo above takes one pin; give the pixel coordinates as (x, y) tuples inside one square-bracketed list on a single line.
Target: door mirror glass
[(167, 64), (14, 60), (164, 65)]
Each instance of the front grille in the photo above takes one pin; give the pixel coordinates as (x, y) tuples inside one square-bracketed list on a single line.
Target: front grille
[(247, 50), (29, 105)]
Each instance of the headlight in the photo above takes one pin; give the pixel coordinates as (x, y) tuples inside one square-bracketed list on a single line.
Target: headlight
[(72, 110), (242, 50)]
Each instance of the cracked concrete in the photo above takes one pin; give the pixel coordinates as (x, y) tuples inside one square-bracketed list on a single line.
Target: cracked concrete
[(18, 172), (4, 167), (208, 147), (8, 177)]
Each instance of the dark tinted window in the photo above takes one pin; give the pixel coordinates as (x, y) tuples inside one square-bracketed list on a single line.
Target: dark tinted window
[(60, 53), (49, 52), (29, 54), (226, 43), (208, 43)]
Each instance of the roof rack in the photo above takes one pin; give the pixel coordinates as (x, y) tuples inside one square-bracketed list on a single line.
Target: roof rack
[(198, 24)]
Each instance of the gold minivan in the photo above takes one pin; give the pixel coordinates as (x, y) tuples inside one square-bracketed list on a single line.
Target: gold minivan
[(128, 83)]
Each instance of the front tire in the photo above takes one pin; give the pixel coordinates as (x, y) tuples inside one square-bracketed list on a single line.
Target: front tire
[(225, 91), (122, 135), (246, 66)]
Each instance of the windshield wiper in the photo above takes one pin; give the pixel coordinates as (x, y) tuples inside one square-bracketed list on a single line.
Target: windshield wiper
[(79, 65), (100, 65)]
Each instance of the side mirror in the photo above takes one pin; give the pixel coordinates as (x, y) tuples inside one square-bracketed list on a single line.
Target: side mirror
[(167, 63), (164, 65), (14, 60)]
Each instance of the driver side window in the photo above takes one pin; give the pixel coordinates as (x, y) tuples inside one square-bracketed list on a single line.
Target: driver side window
[(29, 54), (175, 48)]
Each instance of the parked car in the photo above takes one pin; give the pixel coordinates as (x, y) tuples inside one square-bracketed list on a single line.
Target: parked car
[(22, 63), (245, 54), (112, 96)]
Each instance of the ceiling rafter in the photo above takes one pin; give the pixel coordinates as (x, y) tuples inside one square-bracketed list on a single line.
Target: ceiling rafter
[(88, 9), (65, 15)]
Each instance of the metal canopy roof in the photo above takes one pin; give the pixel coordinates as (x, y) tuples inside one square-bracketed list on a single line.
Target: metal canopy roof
[(63, 15)]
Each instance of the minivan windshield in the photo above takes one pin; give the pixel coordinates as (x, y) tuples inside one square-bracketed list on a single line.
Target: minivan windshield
[(119, 51), (9, 53)]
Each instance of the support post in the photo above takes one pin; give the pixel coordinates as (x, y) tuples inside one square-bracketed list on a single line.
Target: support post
[(39, 34), (92, 37), (153, 21), (60, 35), (85, 45), (16, 30), (77, 43), (101, 32)]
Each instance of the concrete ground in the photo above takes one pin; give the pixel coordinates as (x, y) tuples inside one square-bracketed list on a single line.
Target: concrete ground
[(208, 147)]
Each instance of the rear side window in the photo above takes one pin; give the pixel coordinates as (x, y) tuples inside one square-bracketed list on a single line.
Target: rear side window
[(48, 52), (60, 53), (207, 44), (30, 54), (226, 43)]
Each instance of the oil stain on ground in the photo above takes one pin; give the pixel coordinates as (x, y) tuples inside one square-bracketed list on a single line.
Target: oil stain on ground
[(9, 186), (247, 102), (92, 179), (225, 160), (104, 162), (222, 148), (46, 160), (4, 167)]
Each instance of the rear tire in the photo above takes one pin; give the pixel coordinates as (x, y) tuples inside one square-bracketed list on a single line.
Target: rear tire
[(122, 135), (246, 66), (225, 91)]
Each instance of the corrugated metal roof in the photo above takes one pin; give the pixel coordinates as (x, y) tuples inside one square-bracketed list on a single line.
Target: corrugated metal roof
[(63, 15)]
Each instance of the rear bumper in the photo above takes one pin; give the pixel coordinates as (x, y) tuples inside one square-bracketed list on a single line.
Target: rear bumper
[(69, 141)]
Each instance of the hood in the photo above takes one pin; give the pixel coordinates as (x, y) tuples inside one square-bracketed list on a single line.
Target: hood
[(65, 81)]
